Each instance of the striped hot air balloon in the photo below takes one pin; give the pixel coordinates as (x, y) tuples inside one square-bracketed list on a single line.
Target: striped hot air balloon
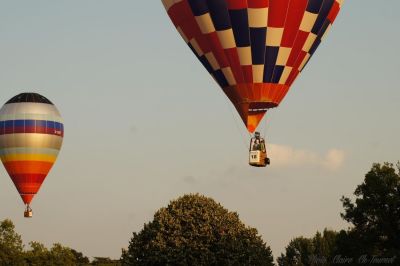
[(31, 135), (254, 49)]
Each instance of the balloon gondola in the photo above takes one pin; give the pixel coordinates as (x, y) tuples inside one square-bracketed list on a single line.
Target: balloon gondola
[(31, 135), (254, 50), (258, 151)]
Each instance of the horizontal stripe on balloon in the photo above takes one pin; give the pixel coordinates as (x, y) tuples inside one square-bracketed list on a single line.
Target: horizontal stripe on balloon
[(29, 108), (28, 157), (31, 126), (26, 150), (28, 183), (27, 167), (31, 141), (25, 116)]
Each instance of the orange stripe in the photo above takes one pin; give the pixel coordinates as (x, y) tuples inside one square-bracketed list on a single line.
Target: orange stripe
[(28, 167)]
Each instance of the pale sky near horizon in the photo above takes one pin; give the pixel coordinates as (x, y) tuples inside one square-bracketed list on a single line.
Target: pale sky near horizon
[(145, 124)]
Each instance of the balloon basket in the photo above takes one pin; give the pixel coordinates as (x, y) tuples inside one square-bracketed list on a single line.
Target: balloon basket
[(28, 212)]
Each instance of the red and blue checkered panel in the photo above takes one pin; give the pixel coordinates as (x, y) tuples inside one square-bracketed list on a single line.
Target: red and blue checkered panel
[(254, 49)]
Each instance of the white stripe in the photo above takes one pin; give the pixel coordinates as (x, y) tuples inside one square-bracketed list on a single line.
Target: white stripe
[(258, 17), (29, 108), (205, 23)]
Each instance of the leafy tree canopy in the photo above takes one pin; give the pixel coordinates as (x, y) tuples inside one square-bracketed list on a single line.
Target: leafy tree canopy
[(375, 213), (11, 247), (195, 230), (318, 250), (375, 233)]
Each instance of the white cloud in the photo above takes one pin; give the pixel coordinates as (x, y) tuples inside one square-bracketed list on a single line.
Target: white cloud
[(288, 156)]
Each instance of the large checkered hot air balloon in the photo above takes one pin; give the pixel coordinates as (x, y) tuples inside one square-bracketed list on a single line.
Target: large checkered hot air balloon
[(254, 49), (31, 135)]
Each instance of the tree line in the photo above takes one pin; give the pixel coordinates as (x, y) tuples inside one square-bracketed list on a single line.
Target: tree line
[(196, 230)]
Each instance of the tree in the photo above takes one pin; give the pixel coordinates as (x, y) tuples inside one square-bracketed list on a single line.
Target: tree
[(11, 247), (80, 258), (318, 250), (195, 230), (375, 235), (375, 214), (60, 255), (104, 261), (39, 255)]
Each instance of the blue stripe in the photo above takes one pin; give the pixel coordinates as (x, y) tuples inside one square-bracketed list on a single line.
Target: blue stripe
[(240, 27), (41, 123), (29, 123), (258, 39), (199, 7), (219, 14), (270, 60), (323, 14), (278, 71), (314, 6), (206, 64), (51, 124), (220, 78), (19, 123), (9, 123)]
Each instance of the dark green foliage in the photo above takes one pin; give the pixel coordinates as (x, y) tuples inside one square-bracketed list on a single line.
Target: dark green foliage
[(103, 261), (11, 247), (375, 214), (79, 257), (12, 251), (195, 230), (304, 251), (58, 255)]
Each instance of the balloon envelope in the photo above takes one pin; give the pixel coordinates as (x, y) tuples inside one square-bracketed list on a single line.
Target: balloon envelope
[(254, 49), (31, 135)]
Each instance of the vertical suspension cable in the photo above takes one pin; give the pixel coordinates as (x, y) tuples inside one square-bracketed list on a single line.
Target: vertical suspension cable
[(238, 127)]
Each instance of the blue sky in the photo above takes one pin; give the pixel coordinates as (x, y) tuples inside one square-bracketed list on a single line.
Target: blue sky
[(145, 123)]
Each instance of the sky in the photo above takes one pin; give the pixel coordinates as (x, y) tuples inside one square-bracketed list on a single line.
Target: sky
[(145, 123)]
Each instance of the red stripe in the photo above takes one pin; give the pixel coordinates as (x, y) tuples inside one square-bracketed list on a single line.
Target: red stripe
[(334, 12), (28, 183), (277, 13), (297, 47), (177, 13), (27, 129), (27, 198), (282, 94), (294, 18), (258, 3), (248, 73), (8, 130), (192, 30), (28, 167), (217, 49), (182, 16), (234, 62)]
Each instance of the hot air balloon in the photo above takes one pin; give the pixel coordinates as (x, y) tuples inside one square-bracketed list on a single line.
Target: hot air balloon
[(31, 135), (254, 49)]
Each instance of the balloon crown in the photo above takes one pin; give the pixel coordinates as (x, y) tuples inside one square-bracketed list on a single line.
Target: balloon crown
[(29, 97)]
